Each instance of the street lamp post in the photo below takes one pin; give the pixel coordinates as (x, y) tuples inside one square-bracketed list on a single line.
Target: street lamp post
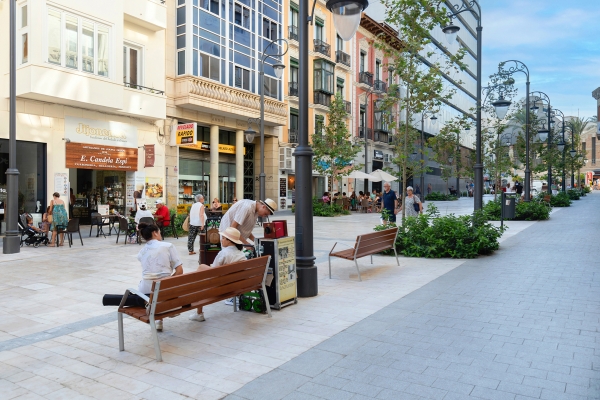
[(12, 242), (368, 95), (561, 146), (507, 72), (346, 18), (475, 9), (433, 119), (543, 96)]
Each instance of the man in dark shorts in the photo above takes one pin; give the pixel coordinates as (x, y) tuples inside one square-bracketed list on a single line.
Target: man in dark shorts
[(390, 202)]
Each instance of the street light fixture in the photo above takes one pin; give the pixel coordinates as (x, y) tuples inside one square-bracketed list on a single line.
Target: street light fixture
[(501, 106), (346, 18), (514, 67), (451, 30), (573, 152)]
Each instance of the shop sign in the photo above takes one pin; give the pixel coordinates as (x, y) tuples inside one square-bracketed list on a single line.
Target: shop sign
[(184, 134), (91, 156), (108, 133), (378, 155), (149, 155), (183, 209), (223, 148)]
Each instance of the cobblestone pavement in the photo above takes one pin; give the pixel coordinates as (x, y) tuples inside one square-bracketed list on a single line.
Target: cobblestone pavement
[(58, 342), (521, 324)]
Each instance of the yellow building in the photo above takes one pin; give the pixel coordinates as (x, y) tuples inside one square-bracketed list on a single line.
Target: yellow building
[(331, 73)]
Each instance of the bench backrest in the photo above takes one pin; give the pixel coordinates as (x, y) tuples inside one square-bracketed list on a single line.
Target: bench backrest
[(217, 283), (375, 242)]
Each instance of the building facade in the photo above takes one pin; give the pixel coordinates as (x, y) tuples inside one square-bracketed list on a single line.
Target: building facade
[(331, 75), (214, 52), (90, 96)]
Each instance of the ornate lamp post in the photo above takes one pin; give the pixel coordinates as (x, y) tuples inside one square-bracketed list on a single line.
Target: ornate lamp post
[(502, 105), (346, 18), (433, 120), (451, 30), (561, 146), (544, 97), (378, 102)]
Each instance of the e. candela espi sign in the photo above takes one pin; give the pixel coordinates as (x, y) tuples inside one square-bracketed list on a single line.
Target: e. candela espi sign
[(93, 156)]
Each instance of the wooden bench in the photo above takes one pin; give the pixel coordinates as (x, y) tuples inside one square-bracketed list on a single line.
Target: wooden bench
[(367, 245), (174, 295)]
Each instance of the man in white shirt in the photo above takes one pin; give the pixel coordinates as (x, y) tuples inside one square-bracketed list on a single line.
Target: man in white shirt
[(141, 213), (197, 220), (243, 215)]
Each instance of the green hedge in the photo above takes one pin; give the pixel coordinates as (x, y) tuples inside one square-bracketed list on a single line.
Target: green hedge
[(431, 235), (524, 211), (438, 196), (574, 194), (560, 200), (321, 209)]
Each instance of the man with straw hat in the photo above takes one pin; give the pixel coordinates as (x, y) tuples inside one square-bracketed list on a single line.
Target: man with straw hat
[(243, 215)]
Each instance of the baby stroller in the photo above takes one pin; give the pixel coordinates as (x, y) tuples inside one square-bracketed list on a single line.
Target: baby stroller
[(30, 237)]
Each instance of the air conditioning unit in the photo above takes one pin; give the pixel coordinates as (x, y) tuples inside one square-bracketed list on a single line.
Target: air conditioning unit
[(285, 157)]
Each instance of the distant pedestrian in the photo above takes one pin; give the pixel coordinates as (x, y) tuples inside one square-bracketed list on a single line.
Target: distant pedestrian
[(429, 189), (390, 202), (197, 221), (417, 190)]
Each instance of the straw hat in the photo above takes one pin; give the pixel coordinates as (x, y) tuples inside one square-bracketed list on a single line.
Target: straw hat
[(271, 205), (232, 234)]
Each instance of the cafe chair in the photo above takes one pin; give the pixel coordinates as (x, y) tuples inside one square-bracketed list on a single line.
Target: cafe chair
[(71, 228), (123, 227), (146, 220), (172, 227), (99, 223)]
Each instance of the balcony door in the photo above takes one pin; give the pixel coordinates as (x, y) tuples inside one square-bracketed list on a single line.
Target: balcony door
[(132, 65)]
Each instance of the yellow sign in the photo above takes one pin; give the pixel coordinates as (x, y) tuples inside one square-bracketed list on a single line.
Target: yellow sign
[(223, 148), (184, 134), (286, 268), (183, 208)]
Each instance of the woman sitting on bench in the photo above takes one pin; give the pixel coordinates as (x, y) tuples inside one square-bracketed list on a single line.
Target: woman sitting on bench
[(159, 259), (231, 252)]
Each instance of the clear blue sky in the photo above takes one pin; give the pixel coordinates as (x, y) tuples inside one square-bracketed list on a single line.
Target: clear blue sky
[(559, 41)]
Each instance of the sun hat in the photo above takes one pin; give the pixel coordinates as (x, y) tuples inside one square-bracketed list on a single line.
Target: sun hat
[(271, 205), (232, 234), (159, 201)]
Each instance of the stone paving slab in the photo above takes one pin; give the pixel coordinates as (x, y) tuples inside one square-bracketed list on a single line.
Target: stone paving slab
[(521, 324)]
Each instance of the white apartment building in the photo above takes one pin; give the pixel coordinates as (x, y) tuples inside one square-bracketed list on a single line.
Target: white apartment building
[(91, 102)]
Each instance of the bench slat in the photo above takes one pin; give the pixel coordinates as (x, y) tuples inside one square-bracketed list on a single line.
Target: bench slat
[(233, 287), (202, 284), (167, 283), (347, 254)]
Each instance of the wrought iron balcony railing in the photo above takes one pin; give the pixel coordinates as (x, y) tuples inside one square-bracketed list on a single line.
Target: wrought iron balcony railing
[(348, 106), (293, 33), (366, 78), (362, 131), (144, 88), (293, 89), (342, 58), (380, 86), (323, 99), (322, 47), (292, 135)]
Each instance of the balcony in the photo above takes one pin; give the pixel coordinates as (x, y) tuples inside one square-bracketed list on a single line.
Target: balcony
[(380, 125), (381, 137), (149, 14), (366, 78), (348, 106), (380, 86), (342, 58), (143, 88), (293, 136), (293, 89), (322, 47), (362, 130), (293, 33), (323, 99)]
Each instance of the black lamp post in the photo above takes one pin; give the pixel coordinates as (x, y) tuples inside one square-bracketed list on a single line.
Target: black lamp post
[(543, 96), (368, 95), (346, 18), (561, 147), (502, 105), (12, 242), (475, 9)]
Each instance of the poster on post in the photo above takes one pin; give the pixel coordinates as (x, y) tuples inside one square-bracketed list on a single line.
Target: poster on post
[(286, 268)]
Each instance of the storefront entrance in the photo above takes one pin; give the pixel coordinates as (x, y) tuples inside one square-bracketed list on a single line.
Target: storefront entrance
[(93, 188)]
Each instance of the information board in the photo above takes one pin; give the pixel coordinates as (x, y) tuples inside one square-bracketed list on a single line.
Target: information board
[(61, 183), (286, 267), (282, 187)]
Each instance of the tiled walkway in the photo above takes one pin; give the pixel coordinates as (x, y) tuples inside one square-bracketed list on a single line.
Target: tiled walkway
[(522, 324)]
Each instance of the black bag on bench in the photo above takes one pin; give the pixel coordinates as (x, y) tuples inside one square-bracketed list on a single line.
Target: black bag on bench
[(133, 300)]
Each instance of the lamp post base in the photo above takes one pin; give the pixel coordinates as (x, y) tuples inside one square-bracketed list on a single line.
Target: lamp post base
[(308, 283), (11, 245)]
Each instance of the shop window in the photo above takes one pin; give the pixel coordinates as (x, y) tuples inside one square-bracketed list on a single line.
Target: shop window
[(132, 65), (77, 43)]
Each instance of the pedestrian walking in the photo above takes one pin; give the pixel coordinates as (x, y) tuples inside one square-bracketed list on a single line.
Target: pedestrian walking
[(58, 214), (197, 221), (390, 203), (429, 189), (410, 201)]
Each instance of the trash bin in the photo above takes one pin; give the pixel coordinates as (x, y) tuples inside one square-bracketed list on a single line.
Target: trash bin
[(508, 207)]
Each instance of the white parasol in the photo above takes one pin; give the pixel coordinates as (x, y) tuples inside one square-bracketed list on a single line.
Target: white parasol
[(383, 176), (362, 175)]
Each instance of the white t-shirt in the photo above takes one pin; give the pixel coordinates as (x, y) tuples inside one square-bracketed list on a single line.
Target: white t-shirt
[(158, 259), (141, 214), (228, 255), (195, 214), (244, 213)]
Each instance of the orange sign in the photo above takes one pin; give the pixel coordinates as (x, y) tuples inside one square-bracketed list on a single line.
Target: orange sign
[(93, 156)]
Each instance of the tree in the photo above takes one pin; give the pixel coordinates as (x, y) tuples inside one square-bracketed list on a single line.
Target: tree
[(421, 88), (334, 152), (447, 150)]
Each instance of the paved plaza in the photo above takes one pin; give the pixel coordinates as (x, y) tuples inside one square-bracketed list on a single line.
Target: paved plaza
[(522, 323)]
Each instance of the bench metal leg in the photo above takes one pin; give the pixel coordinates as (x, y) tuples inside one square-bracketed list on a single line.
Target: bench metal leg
[(235, 308), (329, 267), (264, 290), (396, 253), (371, 258), (357, 270), (155, 337), (121, 336)]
